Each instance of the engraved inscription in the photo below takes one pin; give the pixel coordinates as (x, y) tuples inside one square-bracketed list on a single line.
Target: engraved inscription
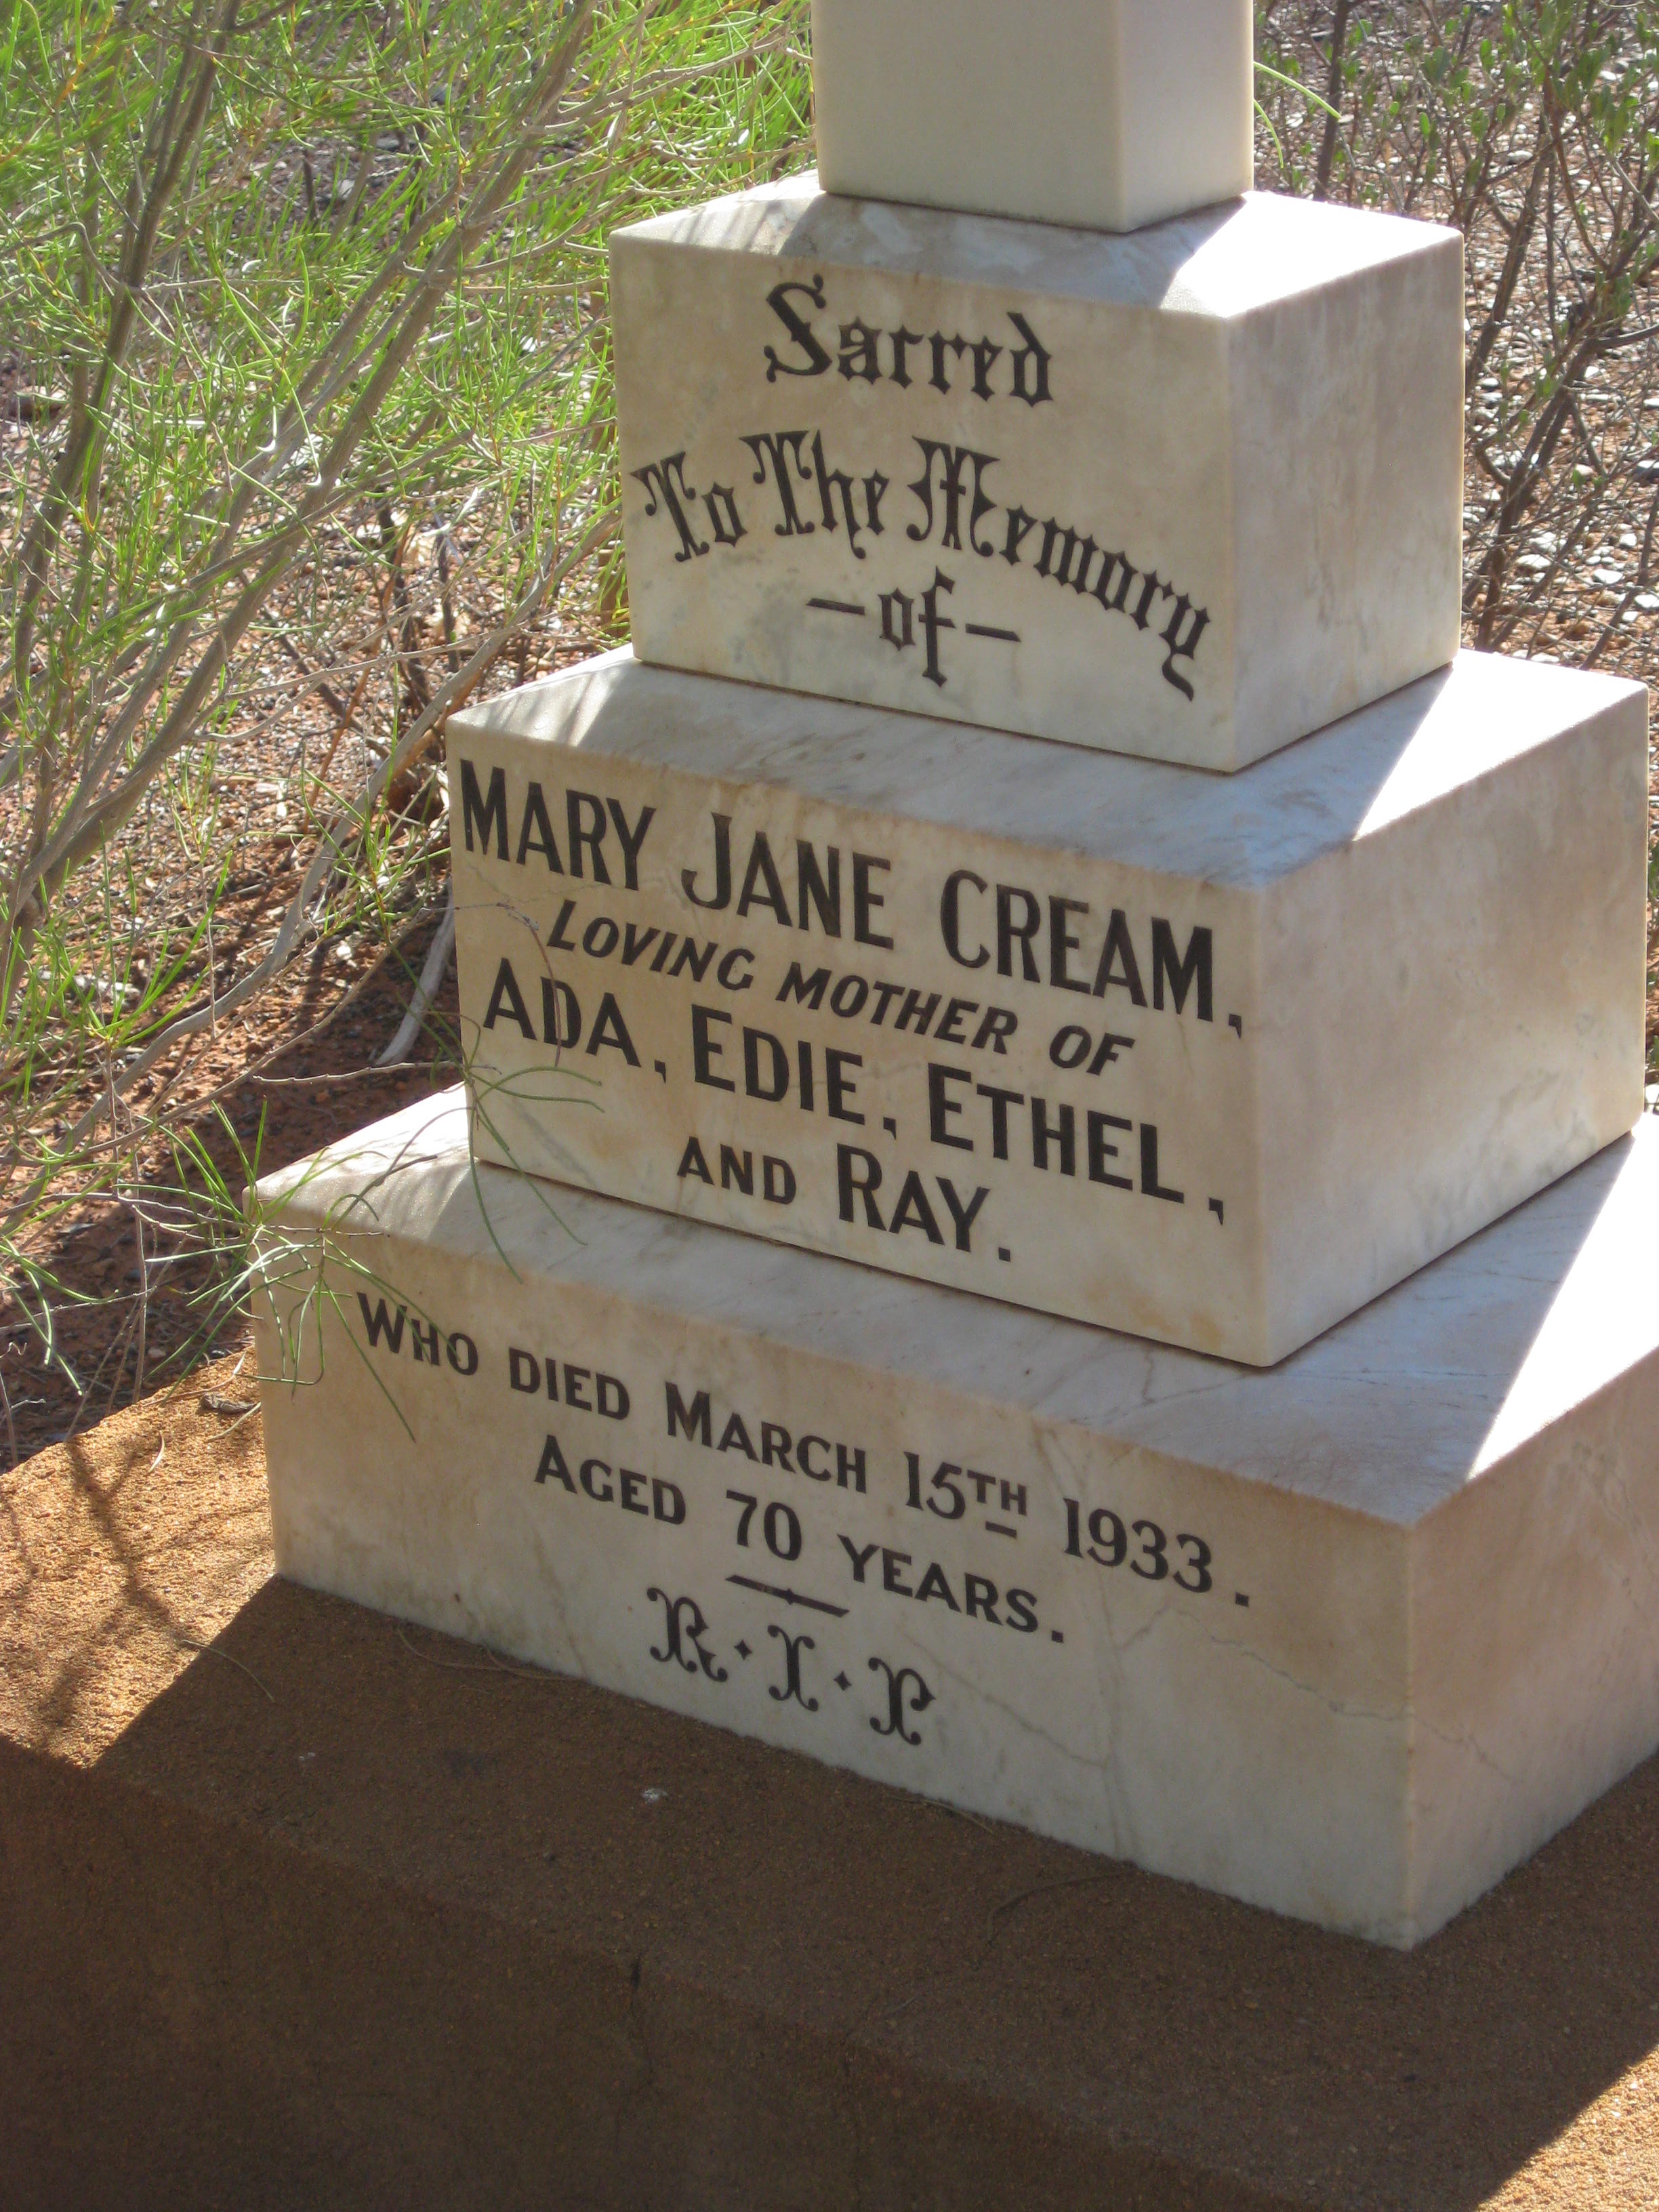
[(955, 1053), (776, 484), (859, 1582)]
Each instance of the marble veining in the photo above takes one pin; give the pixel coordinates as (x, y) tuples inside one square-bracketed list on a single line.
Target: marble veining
[(1342, 784)]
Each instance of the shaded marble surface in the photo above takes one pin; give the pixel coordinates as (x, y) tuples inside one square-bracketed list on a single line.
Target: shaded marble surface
[(1110, 113), (1409, 1619), (1188, 494), (1415, 995)]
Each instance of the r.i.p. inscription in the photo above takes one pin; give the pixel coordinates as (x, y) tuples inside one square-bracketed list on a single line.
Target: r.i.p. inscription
[(870, 1576)]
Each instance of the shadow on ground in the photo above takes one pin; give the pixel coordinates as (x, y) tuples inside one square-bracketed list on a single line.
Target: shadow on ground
[(366, 1917)]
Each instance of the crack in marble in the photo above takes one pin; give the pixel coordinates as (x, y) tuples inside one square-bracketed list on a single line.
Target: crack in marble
[(1457, 1739), (1342, 1708), (1022, 1720)]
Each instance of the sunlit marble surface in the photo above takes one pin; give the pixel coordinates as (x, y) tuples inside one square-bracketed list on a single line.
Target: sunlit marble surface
[(1423, 938), (1420, 1624), (1105, 112)]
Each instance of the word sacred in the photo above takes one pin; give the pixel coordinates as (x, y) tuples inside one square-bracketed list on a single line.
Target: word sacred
[(870, 355)]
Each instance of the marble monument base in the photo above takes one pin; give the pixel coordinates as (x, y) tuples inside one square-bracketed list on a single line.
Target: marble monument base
[(1348, 1639), (1212, 1059)]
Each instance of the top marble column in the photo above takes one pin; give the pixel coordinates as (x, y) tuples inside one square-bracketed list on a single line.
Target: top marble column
[(1105, 115)]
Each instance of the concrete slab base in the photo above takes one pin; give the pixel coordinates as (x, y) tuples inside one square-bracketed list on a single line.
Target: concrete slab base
[(301, 1907)]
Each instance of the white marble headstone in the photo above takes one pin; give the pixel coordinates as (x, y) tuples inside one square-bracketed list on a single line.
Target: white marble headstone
[(1189, 493), (1348, 1638), (1215, 1060), (1107, 113)]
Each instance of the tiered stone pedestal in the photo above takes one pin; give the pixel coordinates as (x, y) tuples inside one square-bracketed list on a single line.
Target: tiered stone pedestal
[(1079, 1025), (1348, 1638)]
